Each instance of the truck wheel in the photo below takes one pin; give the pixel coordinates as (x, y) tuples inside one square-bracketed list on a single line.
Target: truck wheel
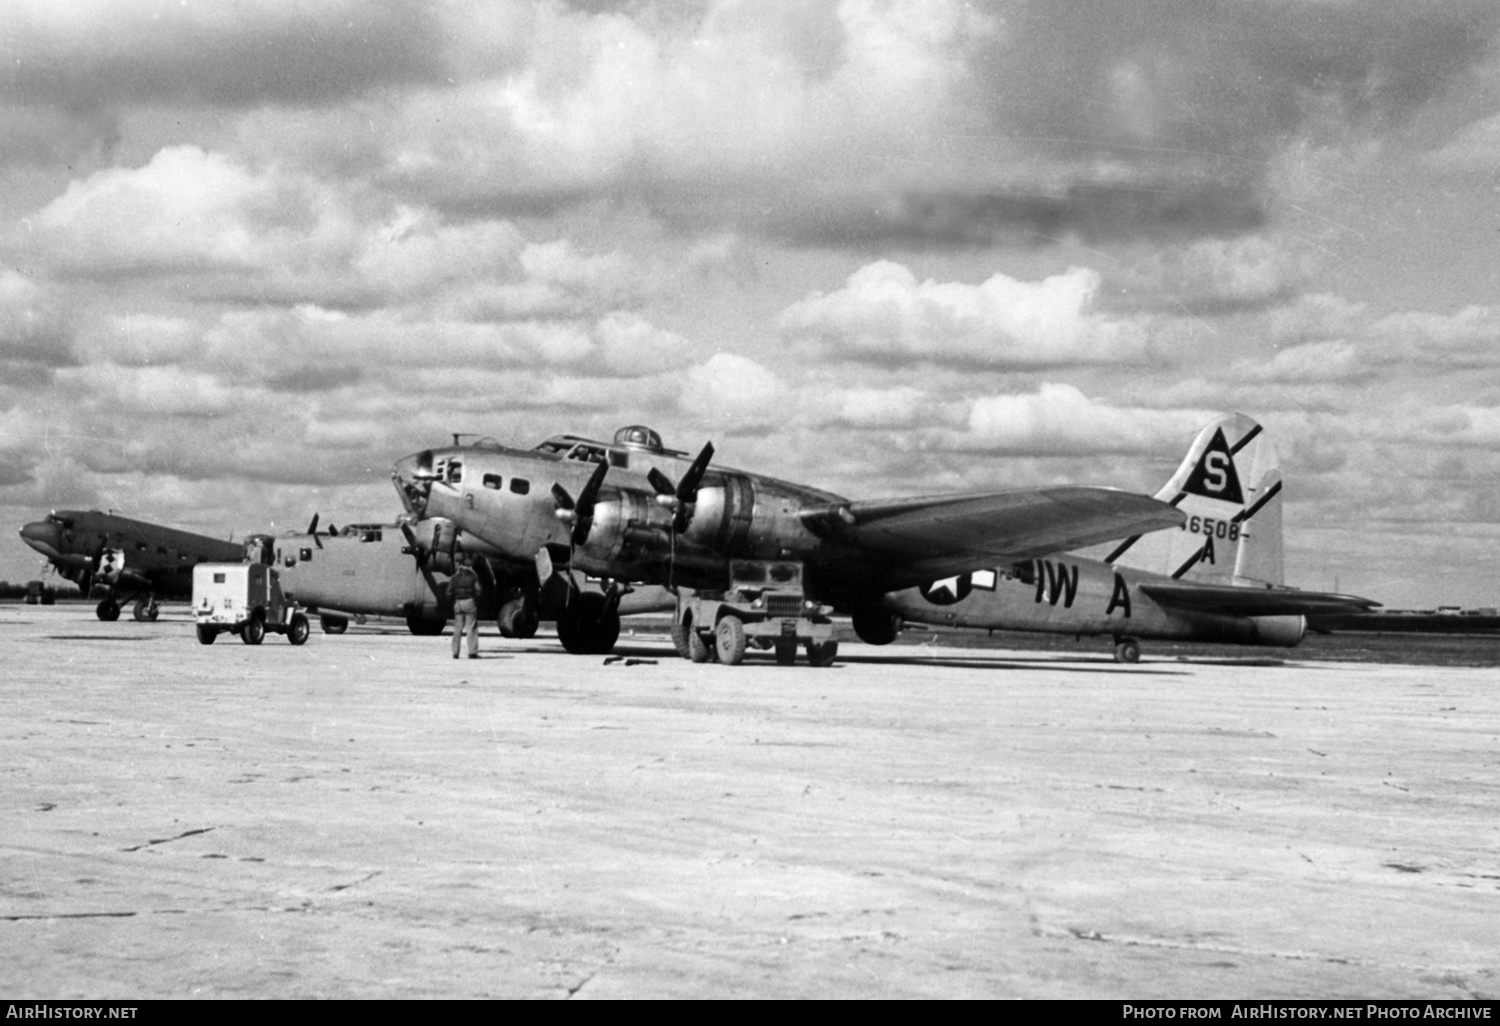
[(680, 641), (786, 651), (729, 639), (333, 624), (254, 631), (699, 650), (206, 634), (298, 630), (822, 653)]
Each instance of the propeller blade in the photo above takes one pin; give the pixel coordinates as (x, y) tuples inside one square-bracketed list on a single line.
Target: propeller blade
[(661, 482), (586, 500), (687, 488), (562, 498), (417, 551)]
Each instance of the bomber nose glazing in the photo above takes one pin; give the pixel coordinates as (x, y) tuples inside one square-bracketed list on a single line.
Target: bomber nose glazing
[(413, 480)]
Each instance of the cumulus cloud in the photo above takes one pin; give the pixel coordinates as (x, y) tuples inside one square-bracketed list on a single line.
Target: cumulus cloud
[(885, 313), (734, 392), (1059, 419)]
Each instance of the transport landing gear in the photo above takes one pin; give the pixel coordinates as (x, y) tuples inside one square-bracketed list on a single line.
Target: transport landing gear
[(333, 624), (1127, 650), (146, 610), (107, 610), (423, 627)]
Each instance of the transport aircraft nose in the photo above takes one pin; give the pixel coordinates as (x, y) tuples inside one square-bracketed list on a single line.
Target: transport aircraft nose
[(44, 536)]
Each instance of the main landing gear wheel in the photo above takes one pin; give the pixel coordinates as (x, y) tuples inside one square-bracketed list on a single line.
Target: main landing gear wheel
[(876, 626), (206, 634), (298, 630), (518, 619), (333, 624), (729, 639), (425, 628), (588, 626), (107, 610), (145, 611), (1127, 650), (254, 631), (822, 653)]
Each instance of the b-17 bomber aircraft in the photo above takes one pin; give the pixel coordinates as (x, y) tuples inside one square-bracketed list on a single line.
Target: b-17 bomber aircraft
[(401, 569), (119, 559), (1218, 577), (632, 510)]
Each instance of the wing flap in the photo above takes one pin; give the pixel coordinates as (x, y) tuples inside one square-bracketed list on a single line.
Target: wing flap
[(1234, 601)]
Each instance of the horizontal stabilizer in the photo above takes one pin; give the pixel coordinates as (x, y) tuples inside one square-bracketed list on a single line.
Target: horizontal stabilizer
[(1232, 601)]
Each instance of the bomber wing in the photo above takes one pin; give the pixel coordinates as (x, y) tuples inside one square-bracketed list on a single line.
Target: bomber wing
[(1235, 601), (923, 539)]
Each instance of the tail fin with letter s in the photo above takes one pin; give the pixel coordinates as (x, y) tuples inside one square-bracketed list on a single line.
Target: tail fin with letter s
[(1229, 487)]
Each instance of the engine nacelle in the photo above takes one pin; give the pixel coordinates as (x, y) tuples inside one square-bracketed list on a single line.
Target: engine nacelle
[(1279, 631), (111, 566)]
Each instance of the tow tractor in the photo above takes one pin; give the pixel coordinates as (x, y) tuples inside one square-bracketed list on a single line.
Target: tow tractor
[(765, 606), (244, 599)]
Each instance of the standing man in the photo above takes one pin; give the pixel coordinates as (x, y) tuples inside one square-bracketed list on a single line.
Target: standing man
[(464, 587)]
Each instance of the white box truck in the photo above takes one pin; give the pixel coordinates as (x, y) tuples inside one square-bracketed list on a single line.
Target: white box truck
[(243, 599)]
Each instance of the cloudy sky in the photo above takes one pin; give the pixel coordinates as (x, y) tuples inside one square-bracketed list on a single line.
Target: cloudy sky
[(254, 251)]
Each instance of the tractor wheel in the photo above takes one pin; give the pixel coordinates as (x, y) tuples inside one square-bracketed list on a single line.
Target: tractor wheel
[(206, 634), (254, 631), (729, 639), (298, 630), (822, 653)]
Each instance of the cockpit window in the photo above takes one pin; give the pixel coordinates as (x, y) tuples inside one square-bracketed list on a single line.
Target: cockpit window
[(587, 453), (455, 472)]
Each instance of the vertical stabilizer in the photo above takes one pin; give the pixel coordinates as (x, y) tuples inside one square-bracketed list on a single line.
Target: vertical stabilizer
[(1229, 487)]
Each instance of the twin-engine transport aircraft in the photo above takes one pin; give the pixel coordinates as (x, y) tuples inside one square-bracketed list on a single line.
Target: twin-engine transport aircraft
[(401, 569), (1217, 577), (633, 510), (118, 559)]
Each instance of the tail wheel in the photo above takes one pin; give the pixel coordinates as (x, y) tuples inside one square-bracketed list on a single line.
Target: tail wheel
[(298, 630), (729, 639), (254, 631), (206, 634), (822, 653)]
